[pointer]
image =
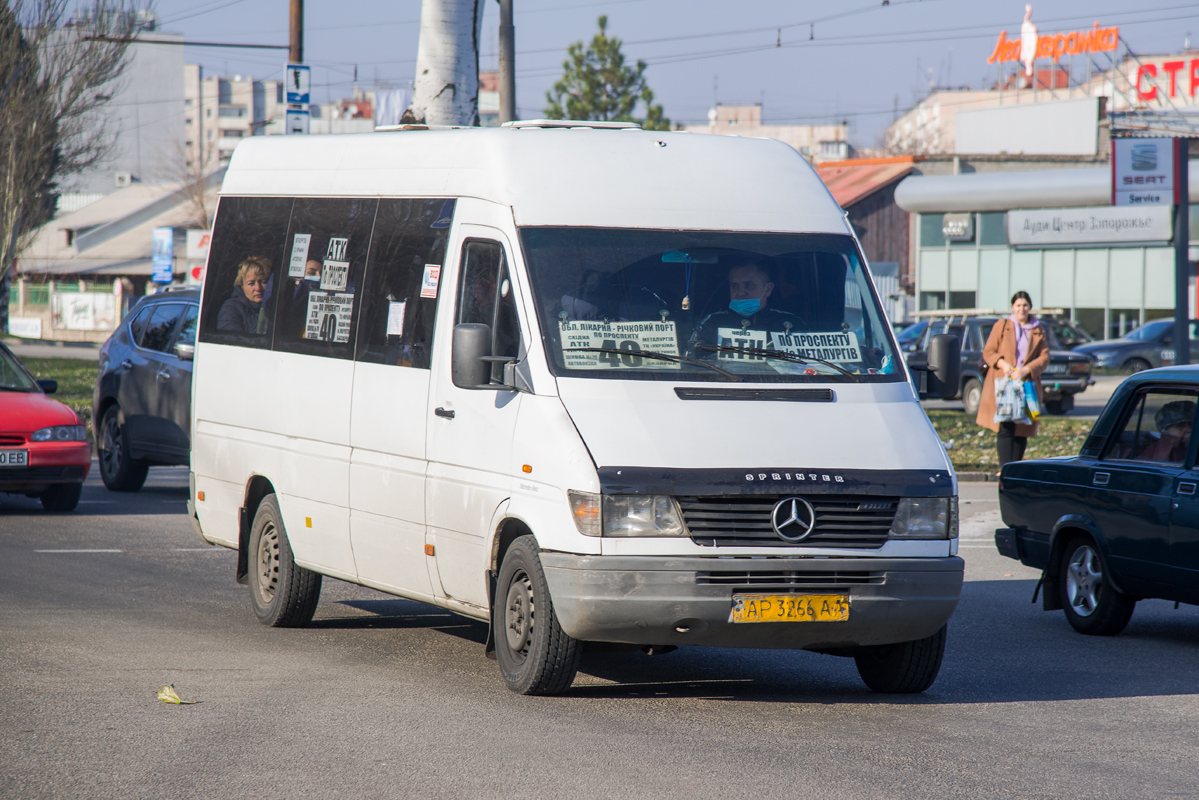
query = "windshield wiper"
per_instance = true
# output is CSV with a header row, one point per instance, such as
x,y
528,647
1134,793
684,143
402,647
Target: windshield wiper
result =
x,y
781,356
653,354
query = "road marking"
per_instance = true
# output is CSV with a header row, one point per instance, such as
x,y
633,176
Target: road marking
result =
x,y
77,551
197,549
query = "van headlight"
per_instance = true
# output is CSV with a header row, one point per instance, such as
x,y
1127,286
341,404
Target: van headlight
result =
x,y
626,515
61,433
926,518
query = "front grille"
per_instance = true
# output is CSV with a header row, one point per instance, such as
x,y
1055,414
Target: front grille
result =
x,y
41,474
8,440
744,521
789,579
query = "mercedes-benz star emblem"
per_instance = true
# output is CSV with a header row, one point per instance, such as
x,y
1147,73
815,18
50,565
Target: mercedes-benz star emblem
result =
x,y
793,519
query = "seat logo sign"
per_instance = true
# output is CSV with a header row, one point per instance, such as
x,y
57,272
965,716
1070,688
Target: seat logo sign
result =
x,y
793,519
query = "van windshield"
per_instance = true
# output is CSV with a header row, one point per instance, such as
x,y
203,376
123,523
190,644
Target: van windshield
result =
x,y
707,306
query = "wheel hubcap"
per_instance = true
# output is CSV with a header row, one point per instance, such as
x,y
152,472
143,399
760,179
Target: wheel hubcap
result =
x,y
268,564
1083,581
110,455
518,615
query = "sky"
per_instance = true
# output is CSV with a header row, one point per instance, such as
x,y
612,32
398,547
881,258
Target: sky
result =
x,y
806,61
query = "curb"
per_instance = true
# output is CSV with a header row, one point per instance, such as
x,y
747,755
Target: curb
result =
x,y
978,477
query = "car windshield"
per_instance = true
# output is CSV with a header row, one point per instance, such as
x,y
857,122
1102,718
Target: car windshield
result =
x,y
13,377
912,332
711,306
1150,330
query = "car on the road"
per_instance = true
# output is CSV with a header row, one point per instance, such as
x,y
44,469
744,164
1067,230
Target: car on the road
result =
x,y
1068,373
44,450
142,401
1119,522
909,337
1146,347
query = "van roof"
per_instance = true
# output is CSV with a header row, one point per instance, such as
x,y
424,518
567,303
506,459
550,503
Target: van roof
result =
x,y
627,178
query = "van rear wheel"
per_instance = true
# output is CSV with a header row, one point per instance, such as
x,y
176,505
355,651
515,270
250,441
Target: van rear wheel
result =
x,y
283,595
903,668
535,655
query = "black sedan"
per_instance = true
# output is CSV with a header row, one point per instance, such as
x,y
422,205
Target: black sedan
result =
x,y
1120,521
1151,345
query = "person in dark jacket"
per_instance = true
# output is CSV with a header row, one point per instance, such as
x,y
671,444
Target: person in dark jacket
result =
x,y
747,322
244,312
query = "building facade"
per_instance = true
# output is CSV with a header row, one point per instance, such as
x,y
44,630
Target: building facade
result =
x,y
220,112
815,142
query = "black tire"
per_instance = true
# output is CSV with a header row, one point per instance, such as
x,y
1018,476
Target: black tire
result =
x,y
1091,604
119,472
972,394
283,595
904,668
62,497
1135,365
535,655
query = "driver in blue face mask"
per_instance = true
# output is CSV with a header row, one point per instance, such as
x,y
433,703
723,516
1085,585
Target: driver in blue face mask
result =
x,y
747,322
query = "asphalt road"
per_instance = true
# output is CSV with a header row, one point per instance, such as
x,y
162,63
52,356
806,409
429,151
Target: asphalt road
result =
x,y
382,697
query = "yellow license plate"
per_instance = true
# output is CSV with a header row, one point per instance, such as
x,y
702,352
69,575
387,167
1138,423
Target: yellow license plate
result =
x,y
790,607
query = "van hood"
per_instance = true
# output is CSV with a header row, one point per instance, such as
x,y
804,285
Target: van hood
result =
x,y
647,424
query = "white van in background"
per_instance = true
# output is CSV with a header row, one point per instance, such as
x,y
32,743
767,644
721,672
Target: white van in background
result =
x,y
587,382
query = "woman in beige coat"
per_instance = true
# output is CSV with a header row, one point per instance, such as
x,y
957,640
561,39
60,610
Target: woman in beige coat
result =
x,y
1016,349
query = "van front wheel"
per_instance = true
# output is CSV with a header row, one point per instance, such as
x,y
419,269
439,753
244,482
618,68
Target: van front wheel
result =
x,y
283,594
535,655
903,668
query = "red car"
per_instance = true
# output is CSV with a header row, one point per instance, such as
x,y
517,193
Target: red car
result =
x,y
44,451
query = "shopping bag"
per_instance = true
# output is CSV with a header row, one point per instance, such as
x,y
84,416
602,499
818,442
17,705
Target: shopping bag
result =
x,y
1030,400
1010,405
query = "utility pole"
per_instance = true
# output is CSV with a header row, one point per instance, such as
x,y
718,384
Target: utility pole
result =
x,y
507,63
1182,264
296,49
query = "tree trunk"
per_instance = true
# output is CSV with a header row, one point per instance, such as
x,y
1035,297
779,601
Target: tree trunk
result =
x,y
5,286
446,90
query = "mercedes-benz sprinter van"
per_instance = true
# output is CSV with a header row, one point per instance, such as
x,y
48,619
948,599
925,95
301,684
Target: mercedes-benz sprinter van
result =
x,y
586,382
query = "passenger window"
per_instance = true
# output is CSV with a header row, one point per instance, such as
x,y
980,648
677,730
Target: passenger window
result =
x,y
138,325
187,331
486,296
1158,429
399,303
161,326
244,261
326,251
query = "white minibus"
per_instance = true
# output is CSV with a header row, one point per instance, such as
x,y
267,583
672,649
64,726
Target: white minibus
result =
x,y
585,382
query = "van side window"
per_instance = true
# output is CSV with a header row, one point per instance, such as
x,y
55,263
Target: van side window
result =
x,y
408,246
244,267
321,287
157,335
486,296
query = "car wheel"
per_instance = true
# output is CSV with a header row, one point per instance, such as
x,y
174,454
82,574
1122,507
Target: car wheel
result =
x,y
972,393
1091,604
283,594
119,472
1135,365
535,655
62,497
904,668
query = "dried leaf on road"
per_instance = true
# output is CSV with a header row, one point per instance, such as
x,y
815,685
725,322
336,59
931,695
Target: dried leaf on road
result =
x,y
167,694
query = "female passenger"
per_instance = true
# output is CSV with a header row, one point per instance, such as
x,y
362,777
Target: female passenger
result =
x,y
1015,349
244,312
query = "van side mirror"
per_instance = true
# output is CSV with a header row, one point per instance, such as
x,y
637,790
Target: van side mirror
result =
x,y
944,366
471,345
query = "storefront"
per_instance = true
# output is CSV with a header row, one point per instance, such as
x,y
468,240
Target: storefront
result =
x,y
1053,233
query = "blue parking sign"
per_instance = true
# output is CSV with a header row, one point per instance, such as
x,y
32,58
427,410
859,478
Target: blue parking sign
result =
x,y
162,255
298,77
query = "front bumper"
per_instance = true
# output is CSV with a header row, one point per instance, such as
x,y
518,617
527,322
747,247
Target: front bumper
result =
x,y
1064,384
688,601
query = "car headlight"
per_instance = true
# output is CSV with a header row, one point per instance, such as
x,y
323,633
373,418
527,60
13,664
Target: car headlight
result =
x,y
926,518
1103,355
626,515
61,433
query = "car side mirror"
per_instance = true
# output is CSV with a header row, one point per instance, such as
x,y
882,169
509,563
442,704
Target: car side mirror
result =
x,y
48,385
186,352
944,366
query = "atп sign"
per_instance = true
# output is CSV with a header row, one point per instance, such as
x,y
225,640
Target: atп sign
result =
x,y
1143,172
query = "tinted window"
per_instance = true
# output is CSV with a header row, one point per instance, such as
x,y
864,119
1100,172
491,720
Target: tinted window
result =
x,y
244,262
138,324
161,326
407,251
327,246
1158,429
187,331
486,296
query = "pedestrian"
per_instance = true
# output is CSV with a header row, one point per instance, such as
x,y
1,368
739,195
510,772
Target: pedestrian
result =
x,y
1015,349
